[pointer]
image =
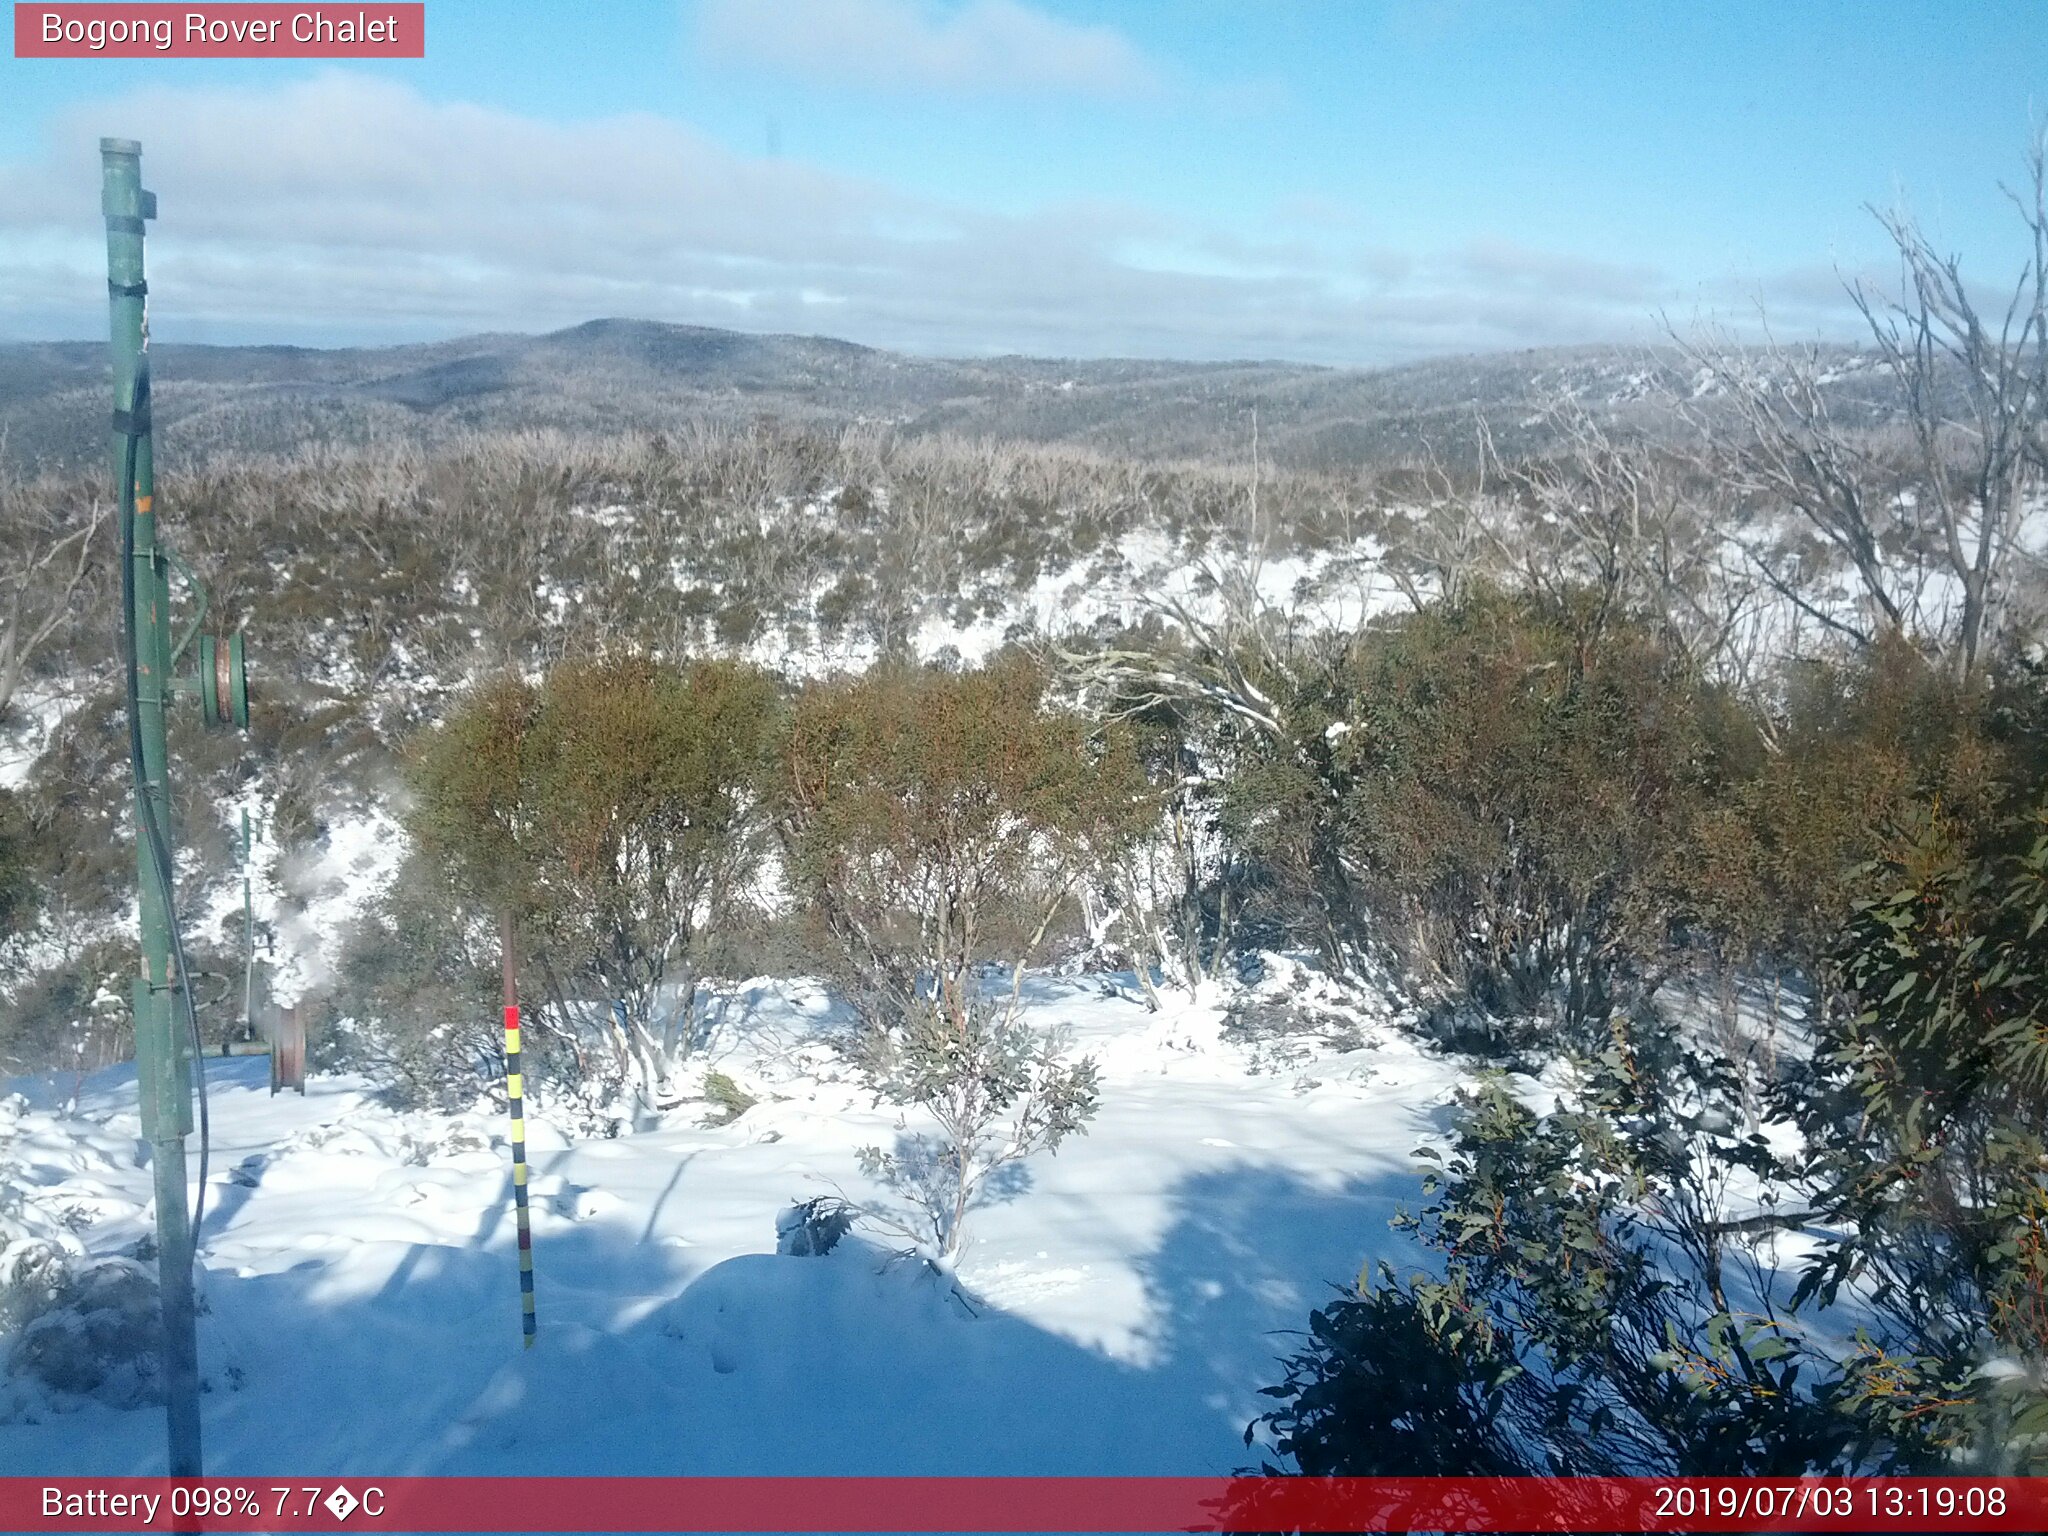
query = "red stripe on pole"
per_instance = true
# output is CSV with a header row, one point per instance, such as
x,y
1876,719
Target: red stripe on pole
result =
x,y
379,29
1024,1504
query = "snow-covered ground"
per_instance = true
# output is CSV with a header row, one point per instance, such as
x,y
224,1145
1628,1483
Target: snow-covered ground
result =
x,y
1120,1305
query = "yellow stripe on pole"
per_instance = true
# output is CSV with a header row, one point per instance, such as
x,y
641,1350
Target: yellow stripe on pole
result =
x,y
515,1096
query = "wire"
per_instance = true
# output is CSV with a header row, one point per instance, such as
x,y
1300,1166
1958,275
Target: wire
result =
x,y
152,831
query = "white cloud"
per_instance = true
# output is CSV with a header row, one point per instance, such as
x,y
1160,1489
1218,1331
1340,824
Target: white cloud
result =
x,y
984,47
351,204
1525,270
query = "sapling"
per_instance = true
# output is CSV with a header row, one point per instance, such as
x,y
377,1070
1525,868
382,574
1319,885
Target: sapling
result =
x,y
940,825
998,1092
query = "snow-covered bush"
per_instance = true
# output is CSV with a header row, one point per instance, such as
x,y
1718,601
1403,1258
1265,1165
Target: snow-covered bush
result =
x,y
729,1098
1287,1011
99,1340
37,1254
416,996
416,1006
73,1325
813,1227
68,1013
34,1272
997,1091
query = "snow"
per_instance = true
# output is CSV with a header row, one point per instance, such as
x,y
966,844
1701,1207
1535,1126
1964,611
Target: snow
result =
x,y
325,890
37,711
1115,1313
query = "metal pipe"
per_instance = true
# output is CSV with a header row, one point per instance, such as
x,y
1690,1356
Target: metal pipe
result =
x,y
162,1051
248,937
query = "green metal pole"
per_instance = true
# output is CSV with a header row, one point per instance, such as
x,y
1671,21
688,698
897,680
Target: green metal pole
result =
x,y
162,1053
248,939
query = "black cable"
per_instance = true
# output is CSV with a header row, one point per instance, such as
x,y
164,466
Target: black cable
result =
x,y
159,848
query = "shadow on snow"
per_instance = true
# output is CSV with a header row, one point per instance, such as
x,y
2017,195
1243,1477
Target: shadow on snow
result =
x,y
404,1358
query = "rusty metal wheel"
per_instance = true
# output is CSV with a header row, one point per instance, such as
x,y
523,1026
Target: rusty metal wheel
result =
x,y
287,1051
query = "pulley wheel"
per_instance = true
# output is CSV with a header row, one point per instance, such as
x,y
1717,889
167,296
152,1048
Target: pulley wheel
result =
x,y
287,1051
223,683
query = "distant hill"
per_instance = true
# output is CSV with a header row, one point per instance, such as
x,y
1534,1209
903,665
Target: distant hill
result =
x,y
610,375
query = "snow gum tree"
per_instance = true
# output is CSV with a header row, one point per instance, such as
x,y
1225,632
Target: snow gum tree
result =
x,y
940,824
616,811
469,811
647,782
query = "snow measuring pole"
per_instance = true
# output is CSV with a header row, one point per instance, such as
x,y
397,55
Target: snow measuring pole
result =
x,y
515,1099
166,1024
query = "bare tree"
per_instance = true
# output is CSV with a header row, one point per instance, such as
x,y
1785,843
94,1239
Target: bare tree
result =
x,y
1929,516
43,566
1976,400
1624,520
1455,532
1232,654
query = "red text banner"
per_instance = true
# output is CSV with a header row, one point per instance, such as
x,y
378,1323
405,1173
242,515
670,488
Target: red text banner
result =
x,y
233,31
394,1504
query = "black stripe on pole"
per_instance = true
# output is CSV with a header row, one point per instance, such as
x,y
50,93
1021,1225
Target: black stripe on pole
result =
x,y
515,1095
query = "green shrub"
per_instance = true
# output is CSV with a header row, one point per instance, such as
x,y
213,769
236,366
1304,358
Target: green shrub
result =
x,y
1502,796
729,1097
1925,1106
1383,1386
1590,1311
1774,862
617,812
1599,1308
939,821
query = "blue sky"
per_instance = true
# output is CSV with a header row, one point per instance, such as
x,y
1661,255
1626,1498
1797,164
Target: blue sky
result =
x,y
1345,183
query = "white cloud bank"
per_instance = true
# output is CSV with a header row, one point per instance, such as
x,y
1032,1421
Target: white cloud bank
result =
x,y
351,204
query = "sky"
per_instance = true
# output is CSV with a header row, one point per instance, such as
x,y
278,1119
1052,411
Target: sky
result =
x,y
1359,182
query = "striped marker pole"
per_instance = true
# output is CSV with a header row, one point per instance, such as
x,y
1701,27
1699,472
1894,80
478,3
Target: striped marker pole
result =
x,y
515,1098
